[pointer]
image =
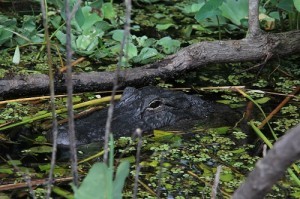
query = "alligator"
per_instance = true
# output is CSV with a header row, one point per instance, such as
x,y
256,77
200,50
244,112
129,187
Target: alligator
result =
x,y
147,108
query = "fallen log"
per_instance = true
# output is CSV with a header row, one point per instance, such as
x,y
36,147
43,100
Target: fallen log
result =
x,y
259,48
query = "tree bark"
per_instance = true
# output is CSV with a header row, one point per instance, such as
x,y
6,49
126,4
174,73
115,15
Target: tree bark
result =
x,y
192,57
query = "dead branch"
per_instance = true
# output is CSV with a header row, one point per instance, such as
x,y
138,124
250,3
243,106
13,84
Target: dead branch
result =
x,y
272,167
189,58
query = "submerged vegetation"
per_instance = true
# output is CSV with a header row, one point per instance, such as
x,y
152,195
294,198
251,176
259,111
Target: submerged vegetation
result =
x,y
175,163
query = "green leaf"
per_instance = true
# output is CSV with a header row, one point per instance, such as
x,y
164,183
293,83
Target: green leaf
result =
x,y
6,170
221,130
262,100
94,185
145,54
90,18
108,11
193,8
14,162
297,5
86,43
122,173
226,177
118,35
235,10
39,149
132,50
79,17
169,45
29,24
61,37
286,5
4,35
209,9
17,56
164,26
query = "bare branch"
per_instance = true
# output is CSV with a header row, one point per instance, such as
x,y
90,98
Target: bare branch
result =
x,y
254,28
52,97
188,58
70,93
272,167
115,79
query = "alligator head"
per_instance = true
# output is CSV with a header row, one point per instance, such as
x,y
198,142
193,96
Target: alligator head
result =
x,y
147,108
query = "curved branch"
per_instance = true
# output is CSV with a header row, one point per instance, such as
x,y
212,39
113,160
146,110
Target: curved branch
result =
x,y
189,58
272,167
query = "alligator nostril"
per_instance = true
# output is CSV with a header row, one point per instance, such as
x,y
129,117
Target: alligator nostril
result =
x,y
155,104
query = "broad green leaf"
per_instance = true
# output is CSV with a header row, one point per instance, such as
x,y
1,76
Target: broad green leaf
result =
x,y
56,21
146,53
118,35
164,26
209,9
169,45
80,17
297,5
86,43
132,50
61,37
94,185
4,35
29,23
192,8
90,18
6,25
287,5
17,56
122,173
235,10
108,11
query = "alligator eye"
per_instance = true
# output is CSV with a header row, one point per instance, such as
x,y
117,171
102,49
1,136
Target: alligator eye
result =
x,y
155,104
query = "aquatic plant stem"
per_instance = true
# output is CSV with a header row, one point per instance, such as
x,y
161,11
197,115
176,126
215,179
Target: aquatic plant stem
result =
x,y
52,97
115,81
259,107
63,110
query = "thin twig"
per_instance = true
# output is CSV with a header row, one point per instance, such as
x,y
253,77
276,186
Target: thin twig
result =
x,y
21,185
278,108
115,81
138,166
69,93
52,98
216,182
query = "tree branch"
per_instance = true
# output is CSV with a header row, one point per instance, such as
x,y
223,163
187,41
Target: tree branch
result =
x,y
189,58
272,167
